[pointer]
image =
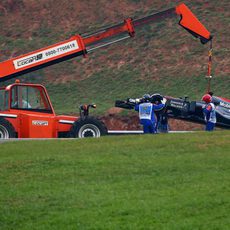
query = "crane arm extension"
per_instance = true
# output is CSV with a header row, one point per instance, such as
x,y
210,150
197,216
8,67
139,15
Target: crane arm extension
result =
x,y
188,21
81,44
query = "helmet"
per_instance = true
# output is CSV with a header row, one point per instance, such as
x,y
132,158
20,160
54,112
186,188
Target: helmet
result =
x,y
156,98
207,98
146,97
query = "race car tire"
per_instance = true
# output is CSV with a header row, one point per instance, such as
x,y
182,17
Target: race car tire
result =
x,y
88,127
6,129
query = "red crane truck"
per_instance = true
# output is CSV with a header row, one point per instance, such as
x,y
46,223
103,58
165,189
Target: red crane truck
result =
x,y
26,110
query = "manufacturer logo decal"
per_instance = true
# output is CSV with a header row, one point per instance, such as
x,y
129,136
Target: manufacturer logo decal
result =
x,y
40,123
29,60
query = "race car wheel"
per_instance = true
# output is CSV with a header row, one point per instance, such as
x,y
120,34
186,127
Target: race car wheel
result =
x,y
6,129
88,127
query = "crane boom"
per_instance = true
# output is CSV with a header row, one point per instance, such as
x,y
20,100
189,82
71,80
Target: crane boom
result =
x,y
81,44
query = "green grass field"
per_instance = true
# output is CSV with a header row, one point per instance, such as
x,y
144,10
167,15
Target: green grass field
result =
x,y
174,181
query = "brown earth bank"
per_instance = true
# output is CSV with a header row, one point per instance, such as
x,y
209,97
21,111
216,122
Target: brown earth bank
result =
x,y
131,122
115,120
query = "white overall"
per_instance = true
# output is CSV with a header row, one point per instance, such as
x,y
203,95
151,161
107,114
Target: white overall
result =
x,y
145,111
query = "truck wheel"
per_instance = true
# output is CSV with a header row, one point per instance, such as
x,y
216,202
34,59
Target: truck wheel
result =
x,y
6,129
88,127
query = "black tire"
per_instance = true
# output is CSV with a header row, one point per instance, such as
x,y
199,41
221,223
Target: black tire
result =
x,y
88,127
6,129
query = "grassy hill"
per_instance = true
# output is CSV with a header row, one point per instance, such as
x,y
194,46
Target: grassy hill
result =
x,y
117,183
161,58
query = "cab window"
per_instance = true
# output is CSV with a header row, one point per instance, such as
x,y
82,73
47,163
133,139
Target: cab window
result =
x,y
29,98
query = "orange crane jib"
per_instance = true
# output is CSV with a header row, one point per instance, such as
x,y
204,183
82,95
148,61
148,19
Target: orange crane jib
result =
x,y
81,44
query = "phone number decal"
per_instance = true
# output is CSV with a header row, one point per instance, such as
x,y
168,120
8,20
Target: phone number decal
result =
x,y
46,54
61,50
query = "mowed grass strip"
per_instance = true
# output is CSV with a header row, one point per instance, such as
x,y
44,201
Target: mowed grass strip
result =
x,y
174,181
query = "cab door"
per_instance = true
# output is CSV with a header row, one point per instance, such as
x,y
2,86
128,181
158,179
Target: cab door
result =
x,y
36,117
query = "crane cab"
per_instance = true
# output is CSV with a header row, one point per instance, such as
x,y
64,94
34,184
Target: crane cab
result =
x,y
28,112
